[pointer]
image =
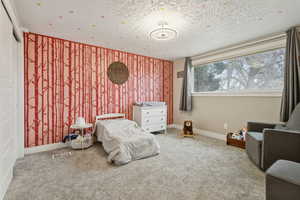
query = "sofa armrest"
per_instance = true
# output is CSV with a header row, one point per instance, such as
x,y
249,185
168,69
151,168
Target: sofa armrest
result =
x,y
259,126
280,145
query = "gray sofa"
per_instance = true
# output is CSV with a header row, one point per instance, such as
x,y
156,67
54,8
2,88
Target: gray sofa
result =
x,y
266,143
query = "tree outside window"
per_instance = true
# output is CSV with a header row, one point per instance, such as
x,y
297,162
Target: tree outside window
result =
x,y
257,72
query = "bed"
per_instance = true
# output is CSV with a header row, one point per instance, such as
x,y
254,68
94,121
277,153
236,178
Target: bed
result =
x,y
123,139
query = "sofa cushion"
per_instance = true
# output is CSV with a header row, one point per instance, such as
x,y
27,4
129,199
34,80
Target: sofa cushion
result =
x,y
283,181
256,135
285,170
281,127
293,123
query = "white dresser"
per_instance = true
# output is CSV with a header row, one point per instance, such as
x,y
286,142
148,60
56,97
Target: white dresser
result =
x,y
151,118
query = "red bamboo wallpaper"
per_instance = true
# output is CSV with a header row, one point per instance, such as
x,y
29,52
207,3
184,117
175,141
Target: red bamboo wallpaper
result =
x,y
65,80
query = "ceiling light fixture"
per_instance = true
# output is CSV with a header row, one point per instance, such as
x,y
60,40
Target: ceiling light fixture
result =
x,y
163,33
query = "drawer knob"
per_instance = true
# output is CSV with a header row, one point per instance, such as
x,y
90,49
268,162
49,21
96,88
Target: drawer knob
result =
x,y
161,111
148,113
147,120
162,119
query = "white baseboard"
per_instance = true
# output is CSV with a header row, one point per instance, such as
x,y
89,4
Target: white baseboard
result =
x,y
211,134
202,132
47,147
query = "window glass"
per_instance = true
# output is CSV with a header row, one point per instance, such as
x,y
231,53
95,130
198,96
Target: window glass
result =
x,y
257,72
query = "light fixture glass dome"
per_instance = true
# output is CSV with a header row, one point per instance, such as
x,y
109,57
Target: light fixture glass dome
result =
x,y
163,33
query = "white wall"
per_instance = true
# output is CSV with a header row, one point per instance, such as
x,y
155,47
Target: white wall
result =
x,y
8,101
211,112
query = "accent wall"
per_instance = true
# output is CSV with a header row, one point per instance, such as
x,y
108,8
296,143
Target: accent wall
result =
x,y
65,80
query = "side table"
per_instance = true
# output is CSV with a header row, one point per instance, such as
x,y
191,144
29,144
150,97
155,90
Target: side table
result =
x,y
81,128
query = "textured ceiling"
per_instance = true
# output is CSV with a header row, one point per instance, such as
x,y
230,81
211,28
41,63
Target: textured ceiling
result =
x,y
202,25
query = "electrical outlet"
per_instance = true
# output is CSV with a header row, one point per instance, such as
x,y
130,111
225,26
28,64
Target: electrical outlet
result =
x,y
225,126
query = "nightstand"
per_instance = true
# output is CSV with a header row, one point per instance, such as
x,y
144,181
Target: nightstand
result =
x,y
81,128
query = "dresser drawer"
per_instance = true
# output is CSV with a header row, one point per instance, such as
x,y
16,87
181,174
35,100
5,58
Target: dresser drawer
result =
x,y
154,112
154,120
151,118
155,127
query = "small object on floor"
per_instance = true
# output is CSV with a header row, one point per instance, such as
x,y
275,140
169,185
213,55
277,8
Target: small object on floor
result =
x,y
243,133
158,132
61,155
236,139
188,129
83,142
71,136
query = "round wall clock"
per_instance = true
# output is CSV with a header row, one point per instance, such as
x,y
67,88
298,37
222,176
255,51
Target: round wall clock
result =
x,y
118,73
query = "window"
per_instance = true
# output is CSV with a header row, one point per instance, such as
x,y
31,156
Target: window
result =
x,y
256,73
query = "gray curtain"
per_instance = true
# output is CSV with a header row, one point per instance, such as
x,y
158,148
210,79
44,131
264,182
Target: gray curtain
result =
x,y
291,91
186,97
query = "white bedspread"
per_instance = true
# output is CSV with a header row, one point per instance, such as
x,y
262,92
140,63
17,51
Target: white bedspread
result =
x,y
125,141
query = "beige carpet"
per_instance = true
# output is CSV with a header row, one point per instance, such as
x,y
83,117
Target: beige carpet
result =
x,y
186,169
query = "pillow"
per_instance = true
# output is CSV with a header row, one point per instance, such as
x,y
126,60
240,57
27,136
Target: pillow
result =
x,y
294,121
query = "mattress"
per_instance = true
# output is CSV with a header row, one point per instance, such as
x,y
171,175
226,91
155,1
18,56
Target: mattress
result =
x,y
125,141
